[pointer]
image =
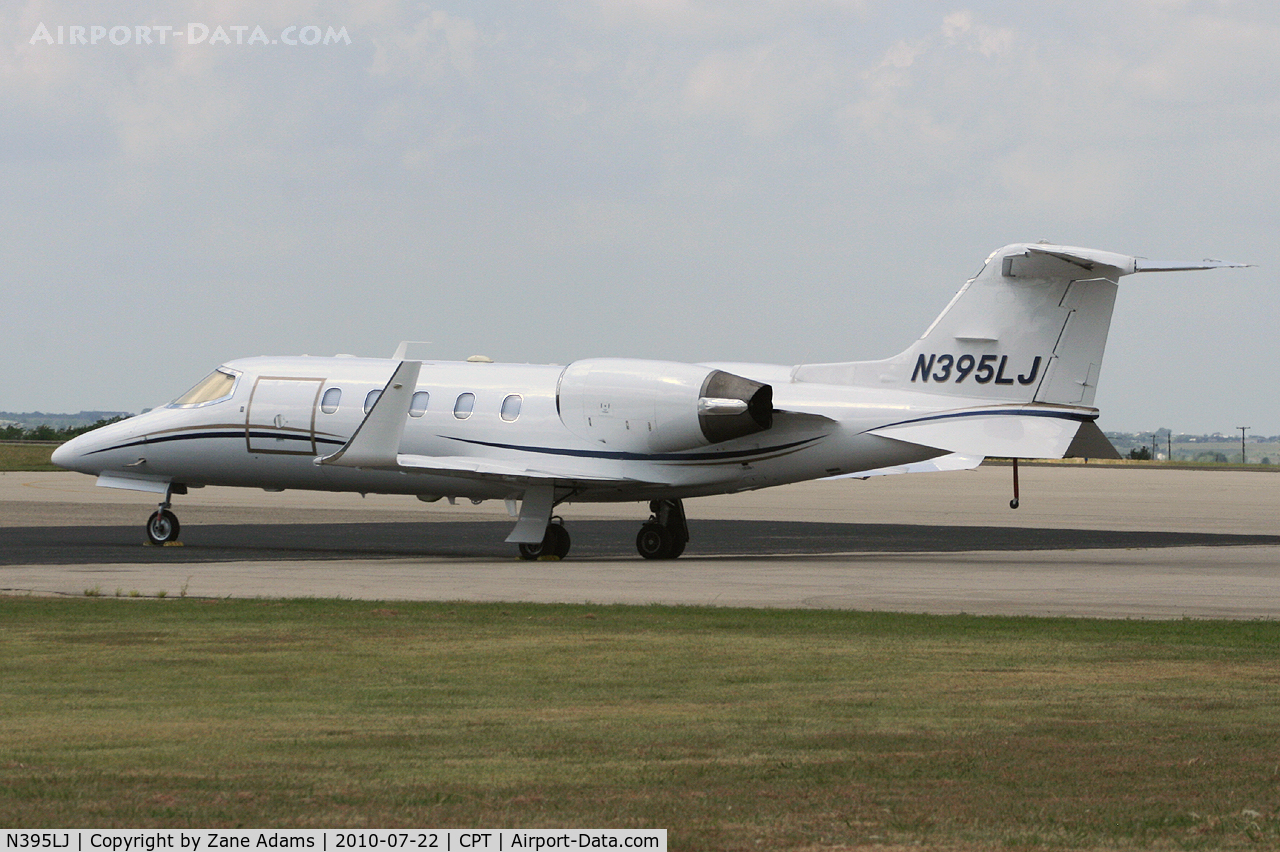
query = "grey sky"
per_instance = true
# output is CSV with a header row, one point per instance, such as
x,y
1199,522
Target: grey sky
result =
x,y
766,181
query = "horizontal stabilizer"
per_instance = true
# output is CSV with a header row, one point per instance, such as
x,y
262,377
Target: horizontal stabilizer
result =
x,y
1141,264
1031,263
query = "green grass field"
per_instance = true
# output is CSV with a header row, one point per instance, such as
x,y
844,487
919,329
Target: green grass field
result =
x,y
734,729
26,456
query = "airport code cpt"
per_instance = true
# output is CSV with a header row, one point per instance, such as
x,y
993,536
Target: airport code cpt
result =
x,y
322,840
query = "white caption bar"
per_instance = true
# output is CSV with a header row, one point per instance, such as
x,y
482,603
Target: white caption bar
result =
x,y
334,840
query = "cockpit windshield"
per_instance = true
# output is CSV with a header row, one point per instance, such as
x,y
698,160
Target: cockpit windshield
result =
x,y
215,387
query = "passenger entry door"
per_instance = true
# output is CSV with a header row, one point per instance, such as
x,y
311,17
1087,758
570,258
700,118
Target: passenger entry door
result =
x,y
281,416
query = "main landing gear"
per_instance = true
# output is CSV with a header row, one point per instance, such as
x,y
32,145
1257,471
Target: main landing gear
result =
x,y
666,532
663,536
163,526
555,543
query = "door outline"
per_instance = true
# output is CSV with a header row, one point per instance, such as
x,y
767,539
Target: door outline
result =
x,y
254,443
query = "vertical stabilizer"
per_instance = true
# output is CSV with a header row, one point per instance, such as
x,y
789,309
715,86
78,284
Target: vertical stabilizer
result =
x,y
1031,326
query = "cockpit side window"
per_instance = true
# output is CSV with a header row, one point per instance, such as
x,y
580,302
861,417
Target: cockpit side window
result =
x,y
215,387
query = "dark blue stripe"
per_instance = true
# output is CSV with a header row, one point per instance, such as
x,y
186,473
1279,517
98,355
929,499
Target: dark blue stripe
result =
x,y
1057,415
624,456
196,436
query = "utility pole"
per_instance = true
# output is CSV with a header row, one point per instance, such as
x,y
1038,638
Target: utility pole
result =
x,y
1243,460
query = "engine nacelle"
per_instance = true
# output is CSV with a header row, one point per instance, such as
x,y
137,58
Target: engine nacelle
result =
x,y
659,406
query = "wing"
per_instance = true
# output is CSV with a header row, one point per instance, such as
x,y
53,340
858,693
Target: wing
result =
x,y
376,446
472,467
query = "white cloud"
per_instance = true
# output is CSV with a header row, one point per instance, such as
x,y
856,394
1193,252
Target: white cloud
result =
x,y
959,27
710,18
1079,182
436,43
769,88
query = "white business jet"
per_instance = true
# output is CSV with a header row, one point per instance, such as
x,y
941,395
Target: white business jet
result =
x,y
1009,370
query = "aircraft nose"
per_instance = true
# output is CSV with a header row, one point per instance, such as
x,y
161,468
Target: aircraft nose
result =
x,y
64,455
71,455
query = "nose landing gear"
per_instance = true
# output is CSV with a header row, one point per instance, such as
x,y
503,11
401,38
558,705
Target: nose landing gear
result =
x,y
163,526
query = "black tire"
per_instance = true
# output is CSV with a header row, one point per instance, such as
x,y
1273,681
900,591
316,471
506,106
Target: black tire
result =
x,y
163,527
559,540
555,543
654,541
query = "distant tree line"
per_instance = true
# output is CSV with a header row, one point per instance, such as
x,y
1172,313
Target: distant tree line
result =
x,y
14,432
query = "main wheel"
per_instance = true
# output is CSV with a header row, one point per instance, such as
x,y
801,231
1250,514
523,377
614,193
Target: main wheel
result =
x,y
560,540
554,543
163,527
654,541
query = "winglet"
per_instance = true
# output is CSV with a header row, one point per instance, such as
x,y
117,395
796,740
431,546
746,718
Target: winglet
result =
x,y
376,442
402,351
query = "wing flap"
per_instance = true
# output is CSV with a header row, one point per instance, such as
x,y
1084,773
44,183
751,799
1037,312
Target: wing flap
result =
x,y
474,467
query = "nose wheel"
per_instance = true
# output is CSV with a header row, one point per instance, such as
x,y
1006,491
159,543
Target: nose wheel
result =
x,y
666,533
163,526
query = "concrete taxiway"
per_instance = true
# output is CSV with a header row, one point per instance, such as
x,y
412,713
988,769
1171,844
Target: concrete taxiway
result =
x,y
1087,541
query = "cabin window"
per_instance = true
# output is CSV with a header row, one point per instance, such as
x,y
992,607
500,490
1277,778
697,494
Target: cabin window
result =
x,y
215,387
418,405
370,399
511,408
329,402
463,407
